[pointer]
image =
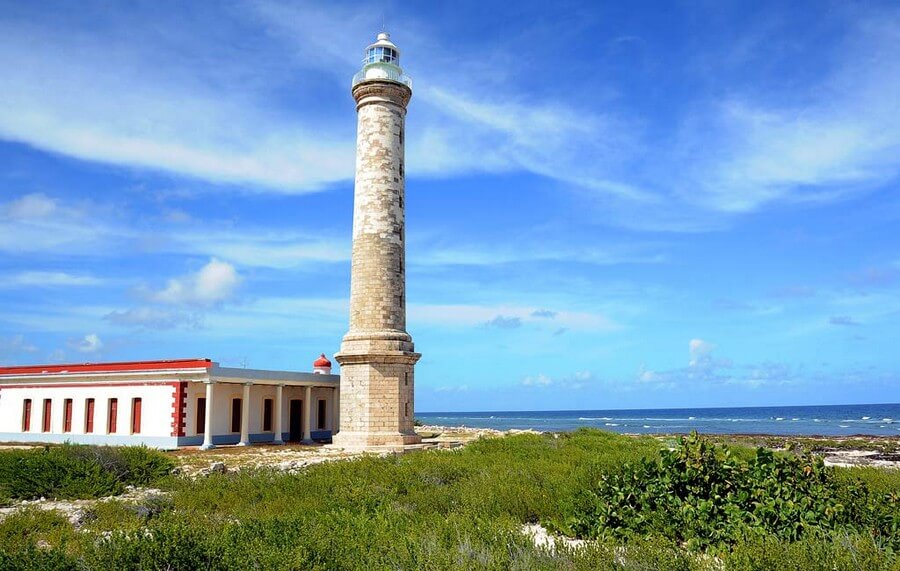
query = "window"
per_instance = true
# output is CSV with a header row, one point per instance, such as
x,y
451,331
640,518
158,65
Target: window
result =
x,y
89,416
48,408
67,415
320,418
381,54
112,416
136,416
406,379
406,410
267,415
26,415
236,415
201,415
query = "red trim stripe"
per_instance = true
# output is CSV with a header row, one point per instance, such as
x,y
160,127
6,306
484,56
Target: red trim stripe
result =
x,y
4,387
179,400
123,366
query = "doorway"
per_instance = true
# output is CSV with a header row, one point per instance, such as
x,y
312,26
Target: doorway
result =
x,y
296,421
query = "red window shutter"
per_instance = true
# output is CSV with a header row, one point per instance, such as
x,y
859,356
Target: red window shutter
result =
x,y
26,415
113,415
136,416
67,415
89,416
48,408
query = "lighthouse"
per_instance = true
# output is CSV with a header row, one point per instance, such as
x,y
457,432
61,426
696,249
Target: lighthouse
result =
x,y
377,355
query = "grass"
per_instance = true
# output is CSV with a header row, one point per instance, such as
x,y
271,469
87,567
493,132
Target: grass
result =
x,y
459,509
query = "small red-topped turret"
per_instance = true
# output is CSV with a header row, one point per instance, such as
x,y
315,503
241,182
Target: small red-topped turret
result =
x,y
322,366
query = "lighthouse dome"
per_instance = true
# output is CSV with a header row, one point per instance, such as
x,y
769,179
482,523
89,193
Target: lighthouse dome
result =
x,y
382,51
322,365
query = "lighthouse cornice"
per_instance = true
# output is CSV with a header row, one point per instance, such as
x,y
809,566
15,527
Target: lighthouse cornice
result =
x,y
381,91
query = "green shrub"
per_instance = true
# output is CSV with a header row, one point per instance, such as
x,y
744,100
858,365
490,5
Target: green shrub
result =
x,y
76,472
703,495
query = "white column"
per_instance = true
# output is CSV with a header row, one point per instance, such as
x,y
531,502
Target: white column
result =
x,y
207,421
307,414
245,416
335,410
279,430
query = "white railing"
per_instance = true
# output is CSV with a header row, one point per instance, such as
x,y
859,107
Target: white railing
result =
x,y
381,73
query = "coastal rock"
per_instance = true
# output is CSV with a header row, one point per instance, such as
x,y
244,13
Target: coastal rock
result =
x,y
216,468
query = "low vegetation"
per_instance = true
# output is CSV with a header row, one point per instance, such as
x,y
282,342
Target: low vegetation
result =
x,y
460,509
703,496
77,472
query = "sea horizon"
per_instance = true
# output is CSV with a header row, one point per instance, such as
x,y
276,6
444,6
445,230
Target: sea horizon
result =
x,y
877,419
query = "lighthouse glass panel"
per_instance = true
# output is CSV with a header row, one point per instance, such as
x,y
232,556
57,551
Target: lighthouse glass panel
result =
x,y
381,54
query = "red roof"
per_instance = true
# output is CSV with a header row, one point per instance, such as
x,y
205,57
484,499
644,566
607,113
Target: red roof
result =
x,y
322,361
123,366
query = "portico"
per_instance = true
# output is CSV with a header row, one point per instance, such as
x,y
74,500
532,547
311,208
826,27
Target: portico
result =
x,y
251,406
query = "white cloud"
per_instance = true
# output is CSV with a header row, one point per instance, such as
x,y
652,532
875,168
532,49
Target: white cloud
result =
x,y
48,279
540,380
35,205
213,283
576,381
452,389
90,343
700,351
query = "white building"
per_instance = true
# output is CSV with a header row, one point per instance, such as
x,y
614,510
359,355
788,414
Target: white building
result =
x,y
166,404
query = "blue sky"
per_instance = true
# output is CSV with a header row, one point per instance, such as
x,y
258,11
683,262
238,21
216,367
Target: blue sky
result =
x,y
610,205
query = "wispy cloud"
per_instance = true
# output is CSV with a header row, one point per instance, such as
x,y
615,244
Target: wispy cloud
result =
x,y
839,139
505,316
154,318
15,347
843,320
504,322
48,279
545,313
146,99
576,381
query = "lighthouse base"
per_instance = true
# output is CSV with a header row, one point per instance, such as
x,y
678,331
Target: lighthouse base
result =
x,y
376,394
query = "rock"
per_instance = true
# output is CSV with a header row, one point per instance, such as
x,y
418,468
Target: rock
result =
x,y
217,468
177,471
80,518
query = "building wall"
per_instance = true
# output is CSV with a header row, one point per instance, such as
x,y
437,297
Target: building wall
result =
x,y
168,412
157,401
224,393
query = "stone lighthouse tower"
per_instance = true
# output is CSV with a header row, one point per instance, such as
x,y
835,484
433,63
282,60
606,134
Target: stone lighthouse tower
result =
x,y
377,354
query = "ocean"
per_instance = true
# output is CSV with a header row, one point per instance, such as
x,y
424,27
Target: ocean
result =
x,y
833,420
